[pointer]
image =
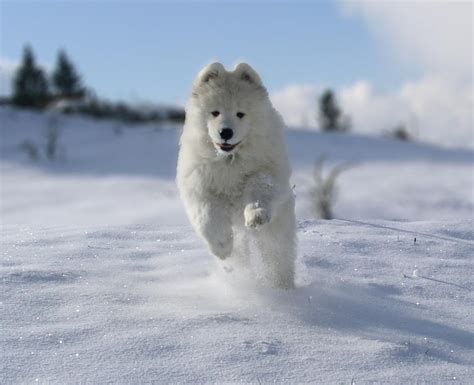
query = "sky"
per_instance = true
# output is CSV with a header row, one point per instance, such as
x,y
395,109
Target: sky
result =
x,y
394,54
152,50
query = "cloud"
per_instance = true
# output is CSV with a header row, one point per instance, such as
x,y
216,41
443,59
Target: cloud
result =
x,y
434,108
435,36
297,104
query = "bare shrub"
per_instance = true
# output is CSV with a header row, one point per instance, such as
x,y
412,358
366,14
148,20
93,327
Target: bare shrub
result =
x,y
52,137
400,132
118,129
30,148
324,192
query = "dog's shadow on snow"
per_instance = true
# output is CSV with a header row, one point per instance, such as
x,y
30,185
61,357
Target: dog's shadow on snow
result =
x,y
369,311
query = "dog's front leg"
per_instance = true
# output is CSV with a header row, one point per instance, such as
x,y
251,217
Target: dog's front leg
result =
x,y
212,221
259,195
270,204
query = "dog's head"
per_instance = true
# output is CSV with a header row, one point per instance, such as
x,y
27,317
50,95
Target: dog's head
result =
x,y
230,104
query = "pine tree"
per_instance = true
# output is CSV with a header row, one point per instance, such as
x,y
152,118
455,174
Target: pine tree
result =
x,y
30,87
330,115
66,81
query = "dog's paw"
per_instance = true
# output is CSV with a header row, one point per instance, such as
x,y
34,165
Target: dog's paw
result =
x,y
221,250
255,216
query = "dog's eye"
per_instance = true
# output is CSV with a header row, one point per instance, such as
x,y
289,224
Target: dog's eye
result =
x,y
240,115
215,113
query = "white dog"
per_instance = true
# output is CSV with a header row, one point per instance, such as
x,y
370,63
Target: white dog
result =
x,y
233,171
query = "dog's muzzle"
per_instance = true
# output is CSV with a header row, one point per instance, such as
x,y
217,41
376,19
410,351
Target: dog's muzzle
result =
x,y
227,147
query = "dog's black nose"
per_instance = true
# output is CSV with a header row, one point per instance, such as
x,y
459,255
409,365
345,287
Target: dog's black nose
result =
x,y
226,133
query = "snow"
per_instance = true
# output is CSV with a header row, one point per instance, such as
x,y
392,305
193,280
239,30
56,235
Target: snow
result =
x,y
103,280
144,304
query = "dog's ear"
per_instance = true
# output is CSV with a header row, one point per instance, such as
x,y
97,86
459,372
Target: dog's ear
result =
x,y
246,73
210,72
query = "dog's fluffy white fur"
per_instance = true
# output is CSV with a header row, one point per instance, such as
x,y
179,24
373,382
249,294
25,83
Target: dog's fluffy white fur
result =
x,y
236,189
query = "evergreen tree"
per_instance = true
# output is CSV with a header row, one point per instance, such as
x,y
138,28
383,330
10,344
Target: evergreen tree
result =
x,y
30,87
330,115
67,82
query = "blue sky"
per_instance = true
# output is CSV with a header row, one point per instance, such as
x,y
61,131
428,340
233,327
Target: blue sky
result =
x,y
152,50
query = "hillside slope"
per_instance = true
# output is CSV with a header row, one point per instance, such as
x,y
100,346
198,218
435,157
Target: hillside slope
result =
x,y
126,174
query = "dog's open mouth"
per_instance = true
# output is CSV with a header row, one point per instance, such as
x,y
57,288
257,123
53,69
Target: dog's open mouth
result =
x,y
227,146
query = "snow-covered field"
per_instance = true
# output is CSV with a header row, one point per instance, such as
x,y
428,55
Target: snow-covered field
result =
x,y
103,281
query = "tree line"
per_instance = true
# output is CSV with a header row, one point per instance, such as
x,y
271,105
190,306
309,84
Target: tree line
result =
x,y
34,88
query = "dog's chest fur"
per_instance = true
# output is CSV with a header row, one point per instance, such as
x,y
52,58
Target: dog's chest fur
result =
x,y
225,176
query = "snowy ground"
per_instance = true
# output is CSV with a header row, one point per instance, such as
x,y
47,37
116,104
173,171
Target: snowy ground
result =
x,y
145,304
103,281
104,166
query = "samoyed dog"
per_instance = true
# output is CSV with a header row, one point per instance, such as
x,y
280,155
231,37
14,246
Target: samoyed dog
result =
x,y
233,172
